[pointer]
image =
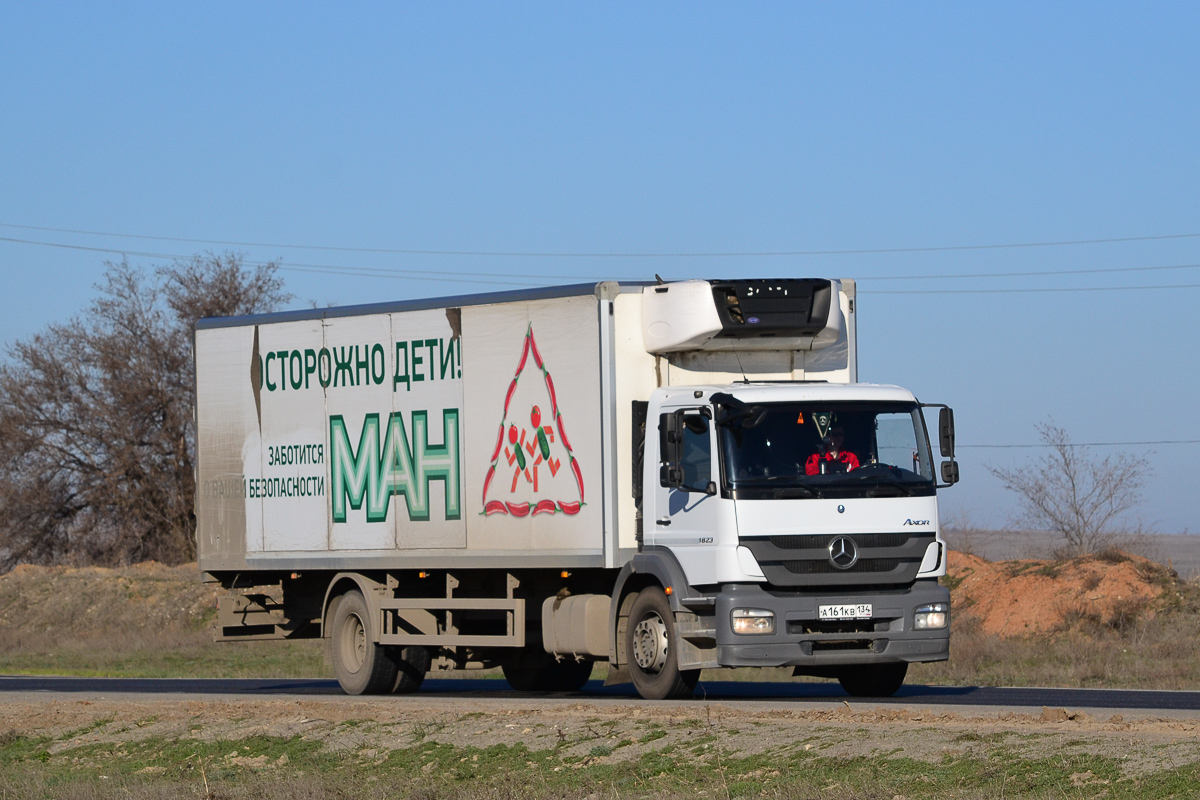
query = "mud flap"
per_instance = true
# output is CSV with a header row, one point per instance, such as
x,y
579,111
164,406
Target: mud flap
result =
x,y
617,676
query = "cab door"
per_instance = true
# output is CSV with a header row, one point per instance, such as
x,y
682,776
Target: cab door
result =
x,y
685,499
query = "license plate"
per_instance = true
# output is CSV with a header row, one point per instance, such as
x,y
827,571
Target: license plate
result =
x,y
856,611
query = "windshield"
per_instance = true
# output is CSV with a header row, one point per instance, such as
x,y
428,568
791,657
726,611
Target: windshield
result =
x,y
778,450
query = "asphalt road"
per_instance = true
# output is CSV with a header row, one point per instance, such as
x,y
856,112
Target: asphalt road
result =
x,y
817,694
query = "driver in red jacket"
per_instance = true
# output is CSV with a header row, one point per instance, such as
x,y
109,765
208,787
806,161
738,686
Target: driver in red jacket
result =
x,y
835,455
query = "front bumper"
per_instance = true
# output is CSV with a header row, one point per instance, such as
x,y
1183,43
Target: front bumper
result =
x,y
802,640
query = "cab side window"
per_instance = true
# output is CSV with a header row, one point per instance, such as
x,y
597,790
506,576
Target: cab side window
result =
x,y
697,453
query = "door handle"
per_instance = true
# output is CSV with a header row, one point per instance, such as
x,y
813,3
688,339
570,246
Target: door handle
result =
x,y
664,521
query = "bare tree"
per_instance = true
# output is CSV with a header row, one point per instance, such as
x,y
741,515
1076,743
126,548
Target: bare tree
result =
x,y
97,438
1073,493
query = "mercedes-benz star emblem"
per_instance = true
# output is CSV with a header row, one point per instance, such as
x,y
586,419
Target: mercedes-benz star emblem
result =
x,y
843,553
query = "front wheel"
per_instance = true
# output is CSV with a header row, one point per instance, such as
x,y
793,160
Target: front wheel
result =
x,y
651,645
873,680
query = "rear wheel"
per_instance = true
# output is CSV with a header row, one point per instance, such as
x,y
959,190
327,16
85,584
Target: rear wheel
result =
x,y
651,645
362,665
412,662
873,680
535,670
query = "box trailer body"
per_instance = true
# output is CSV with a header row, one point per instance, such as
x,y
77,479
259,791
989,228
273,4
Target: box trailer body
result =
x,y
496,479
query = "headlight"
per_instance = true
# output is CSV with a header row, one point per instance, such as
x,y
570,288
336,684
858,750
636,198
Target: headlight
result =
x,y
753,620
931,617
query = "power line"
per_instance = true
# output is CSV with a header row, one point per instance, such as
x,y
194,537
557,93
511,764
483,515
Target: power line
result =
x,y
335,269
541,254
1078,444
365,273
508,278
1034,291
111,250
1029,274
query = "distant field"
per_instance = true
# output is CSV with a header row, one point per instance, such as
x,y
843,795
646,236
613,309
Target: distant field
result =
x,y
1180,550
154,621
147,620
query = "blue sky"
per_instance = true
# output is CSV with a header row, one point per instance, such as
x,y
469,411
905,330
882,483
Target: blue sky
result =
x,y
674,128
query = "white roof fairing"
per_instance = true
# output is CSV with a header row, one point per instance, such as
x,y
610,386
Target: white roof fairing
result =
x,y
798,392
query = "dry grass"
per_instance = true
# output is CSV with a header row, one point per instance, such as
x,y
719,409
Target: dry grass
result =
x,y
148,620
480,756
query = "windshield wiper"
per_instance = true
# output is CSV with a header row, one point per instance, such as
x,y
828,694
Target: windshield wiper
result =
x,y
867,475
899,485
796,484
785,492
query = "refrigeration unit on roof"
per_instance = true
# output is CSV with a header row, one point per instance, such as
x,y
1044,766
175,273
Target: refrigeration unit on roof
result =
x,y
758,314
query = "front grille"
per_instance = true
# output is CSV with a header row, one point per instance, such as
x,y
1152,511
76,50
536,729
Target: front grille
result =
x,y
824,567
820,541
803,559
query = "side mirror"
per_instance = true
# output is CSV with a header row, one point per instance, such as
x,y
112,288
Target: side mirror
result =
x,y
946,432
946,442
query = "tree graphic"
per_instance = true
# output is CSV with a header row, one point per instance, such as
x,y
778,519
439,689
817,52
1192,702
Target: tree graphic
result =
x,y
529,445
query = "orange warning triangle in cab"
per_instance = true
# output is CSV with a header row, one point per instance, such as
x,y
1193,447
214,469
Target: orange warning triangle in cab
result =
x,y
533,470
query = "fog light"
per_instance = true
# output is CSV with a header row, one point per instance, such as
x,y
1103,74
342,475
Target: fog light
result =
x,y
753,620
931,617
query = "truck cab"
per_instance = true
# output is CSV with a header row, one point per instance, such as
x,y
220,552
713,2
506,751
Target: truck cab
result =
x,y
805,516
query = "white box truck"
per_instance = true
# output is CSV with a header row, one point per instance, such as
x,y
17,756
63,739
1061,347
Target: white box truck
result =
x,y
668,477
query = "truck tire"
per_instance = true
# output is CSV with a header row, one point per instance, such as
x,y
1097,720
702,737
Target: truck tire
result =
x,y
362,666
873,680
412,662
651,645
535,670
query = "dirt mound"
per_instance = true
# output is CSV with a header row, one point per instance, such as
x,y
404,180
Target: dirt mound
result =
x,y
1017,598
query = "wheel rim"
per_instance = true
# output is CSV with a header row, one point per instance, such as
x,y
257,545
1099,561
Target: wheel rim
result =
x,y
650,644
353,643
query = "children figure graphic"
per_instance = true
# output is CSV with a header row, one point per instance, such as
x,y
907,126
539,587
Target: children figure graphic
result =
x,y
536,454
